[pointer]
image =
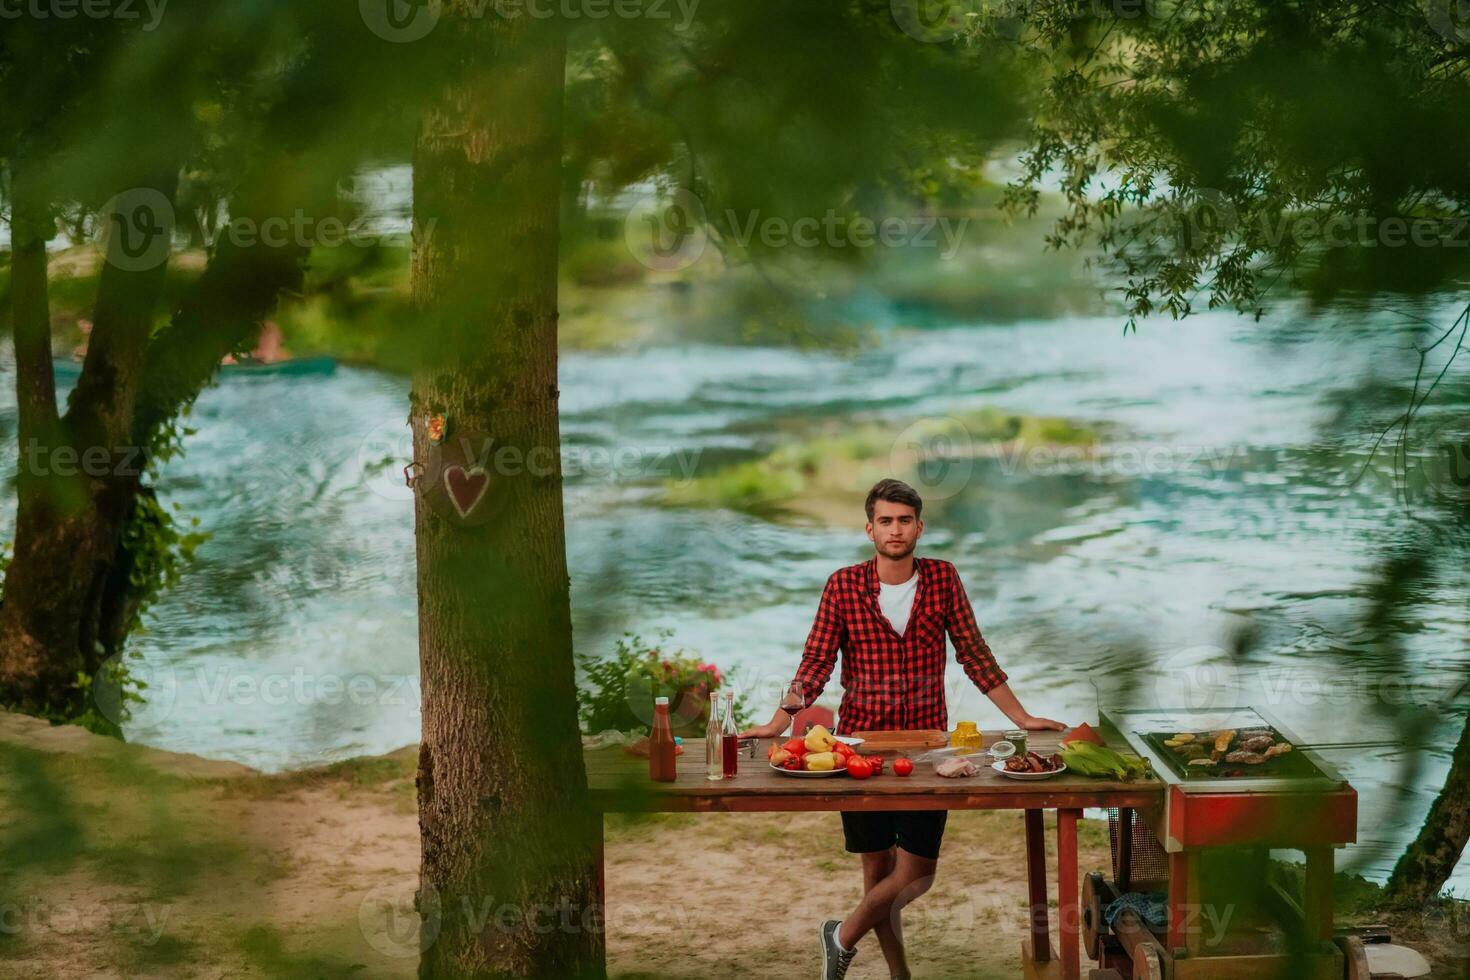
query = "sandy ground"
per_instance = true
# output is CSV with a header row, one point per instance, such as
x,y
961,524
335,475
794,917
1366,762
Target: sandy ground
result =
x,y
120,861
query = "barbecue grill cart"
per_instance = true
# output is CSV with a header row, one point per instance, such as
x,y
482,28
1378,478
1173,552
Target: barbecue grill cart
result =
x,y
1203,851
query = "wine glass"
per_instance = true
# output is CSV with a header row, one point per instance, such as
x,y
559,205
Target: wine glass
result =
x,y
793,701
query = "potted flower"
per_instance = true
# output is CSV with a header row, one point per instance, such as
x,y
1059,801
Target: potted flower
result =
x,y
617,692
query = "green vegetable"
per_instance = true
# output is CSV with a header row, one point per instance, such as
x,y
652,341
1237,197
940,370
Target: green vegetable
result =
x,y
1095,760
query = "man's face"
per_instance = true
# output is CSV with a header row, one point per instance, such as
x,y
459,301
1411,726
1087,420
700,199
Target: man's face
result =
x,y
894,529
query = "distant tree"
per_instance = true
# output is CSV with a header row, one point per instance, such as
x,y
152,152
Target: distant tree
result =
x,y
235,100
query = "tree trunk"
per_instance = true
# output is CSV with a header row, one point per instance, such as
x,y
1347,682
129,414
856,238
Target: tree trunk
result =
x,y
1421,873
39,657
508,884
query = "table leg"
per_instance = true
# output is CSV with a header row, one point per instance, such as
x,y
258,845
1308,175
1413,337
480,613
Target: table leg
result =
x,y
1036,880
1069,916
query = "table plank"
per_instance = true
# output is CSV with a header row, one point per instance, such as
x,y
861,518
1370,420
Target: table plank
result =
x,y
620,782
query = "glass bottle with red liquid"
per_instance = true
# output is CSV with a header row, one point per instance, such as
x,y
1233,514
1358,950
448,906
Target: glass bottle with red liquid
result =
x,y
730,738
661,744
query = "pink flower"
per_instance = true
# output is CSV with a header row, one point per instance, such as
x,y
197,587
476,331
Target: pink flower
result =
x,y
713,671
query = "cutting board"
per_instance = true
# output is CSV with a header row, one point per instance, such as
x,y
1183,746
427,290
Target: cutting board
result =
x,y
883,741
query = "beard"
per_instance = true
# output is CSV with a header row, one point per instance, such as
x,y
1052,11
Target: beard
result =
x,y
897,551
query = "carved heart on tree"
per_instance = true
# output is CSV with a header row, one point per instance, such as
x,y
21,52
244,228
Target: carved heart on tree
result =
x,y
466,487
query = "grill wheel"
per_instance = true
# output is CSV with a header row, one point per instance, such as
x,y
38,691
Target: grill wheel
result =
x,y
1147,965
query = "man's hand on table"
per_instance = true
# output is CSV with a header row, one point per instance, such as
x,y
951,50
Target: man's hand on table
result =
x,y
769,730
1034,724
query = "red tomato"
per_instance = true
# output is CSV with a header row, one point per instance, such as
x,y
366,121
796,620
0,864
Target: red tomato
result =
x,y
839,761
792,763
843,749
858,768
876,763
902,767
796,746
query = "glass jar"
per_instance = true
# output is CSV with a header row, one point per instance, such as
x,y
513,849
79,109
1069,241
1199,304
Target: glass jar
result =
x,y
965,736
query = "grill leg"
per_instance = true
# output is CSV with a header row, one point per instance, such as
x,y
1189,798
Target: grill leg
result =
x,y
1179,898
1317,904
1036,881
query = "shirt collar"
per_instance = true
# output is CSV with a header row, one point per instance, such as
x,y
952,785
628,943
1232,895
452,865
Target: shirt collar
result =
x,y
870,574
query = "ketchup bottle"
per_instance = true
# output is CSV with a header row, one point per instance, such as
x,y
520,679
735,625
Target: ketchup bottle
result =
x,y
661,744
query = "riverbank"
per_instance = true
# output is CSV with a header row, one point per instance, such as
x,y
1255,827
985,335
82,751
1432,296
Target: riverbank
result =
x,y
122,860
355,299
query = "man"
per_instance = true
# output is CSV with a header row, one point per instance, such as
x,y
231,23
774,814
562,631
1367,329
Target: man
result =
x,y
889,616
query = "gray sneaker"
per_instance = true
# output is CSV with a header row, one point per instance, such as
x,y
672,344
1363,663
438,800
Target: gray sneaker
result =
x,y
834,961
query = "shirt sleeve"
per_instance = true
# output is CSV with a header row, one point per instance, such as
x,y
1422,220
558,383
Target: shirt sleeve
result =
x,y
970,647
828,632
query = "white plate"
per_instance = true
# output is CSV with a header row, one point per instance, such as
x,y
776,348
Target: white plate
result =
x,y
1000,767
809,775
848,740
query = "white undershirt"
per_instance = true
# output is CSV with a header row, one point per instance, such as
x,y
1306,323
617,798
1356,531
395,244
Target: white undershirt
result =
x,y
897,601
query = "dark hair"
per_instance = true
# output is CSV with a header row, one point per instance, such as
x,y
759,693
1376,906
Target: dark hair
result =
x,y
895,492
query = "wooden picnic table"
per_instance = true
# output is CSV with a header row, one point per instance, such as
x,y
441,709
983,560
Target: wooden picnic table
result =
x,y
619,783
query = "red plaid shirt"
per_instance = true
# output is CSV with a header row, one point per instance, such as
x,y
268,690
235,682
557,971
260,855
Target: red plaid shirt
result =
x,y
891,681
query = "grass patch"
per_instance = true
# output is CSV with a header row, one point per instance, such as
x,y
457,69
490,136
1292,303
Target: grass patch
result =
x,y
264,949
163,951
838,460
395,771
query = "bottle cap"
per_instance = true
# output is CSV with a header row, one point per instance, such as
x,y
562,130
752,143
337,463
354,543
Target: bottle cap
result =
x,y
660,700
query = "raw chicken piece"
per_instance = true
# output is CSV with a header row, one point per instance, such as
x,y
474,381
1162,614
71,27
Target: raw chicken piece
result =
x,y
955,768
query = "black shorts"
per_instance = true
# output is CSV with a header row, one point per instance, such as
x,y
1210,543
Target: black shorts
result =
x,y
919,832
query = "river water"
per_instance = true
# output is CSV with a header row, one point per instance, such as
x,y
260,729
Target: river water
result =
x,y
1225,502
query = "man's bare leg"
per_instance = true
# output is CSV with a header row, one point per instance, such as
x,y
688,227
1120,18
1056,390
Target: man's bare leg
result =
x,y
877,865
911,877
